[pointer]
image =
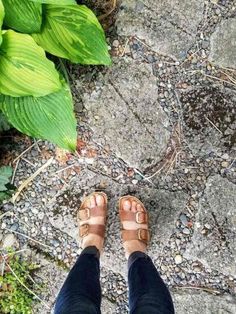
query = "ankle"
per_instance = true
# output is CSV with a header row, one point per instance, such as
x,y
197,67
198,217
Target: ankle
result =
x,y
134,246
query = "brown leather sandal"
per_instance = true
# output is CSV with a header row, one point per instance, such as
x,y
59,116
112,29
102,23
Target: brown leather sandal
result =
x,y
138,217
84,213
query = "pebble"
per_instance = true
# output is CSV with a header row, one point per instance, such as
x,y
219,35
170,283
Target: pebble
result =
x,y
184,220
8,241
178,259
225,164
116,43
186,231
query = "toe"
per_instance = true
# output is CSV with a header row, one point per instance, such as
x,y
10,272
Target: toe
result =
x,y
127,205
134,207
140,208
100,200
92,201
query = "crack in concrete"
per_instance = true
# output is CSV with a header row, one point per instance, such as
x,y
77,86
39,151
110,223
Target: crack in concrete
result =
x,y
131,109
161,17
176,26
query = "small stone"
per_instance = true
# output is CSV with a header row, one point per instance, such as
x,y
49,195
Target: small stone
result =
x,y
178,259
163,268
34,211
186,231
8,241
115,43
208,226
184,220
225,164
41,215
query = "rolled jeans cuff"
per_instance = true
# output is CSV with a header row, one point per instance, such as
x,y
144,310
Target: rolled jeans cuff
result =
x,y
91,250
136,255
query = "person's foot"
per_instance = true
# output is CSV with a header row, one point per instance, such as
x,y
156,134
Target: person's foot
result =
x,y
92,219
129,221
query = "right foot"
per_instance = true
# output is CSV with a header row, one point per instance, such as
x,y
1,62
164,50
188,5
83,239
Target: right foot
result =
x,y
135,232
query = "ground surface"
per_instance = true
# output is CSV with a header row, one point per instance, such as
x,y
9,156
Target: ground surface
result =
x,y
159,124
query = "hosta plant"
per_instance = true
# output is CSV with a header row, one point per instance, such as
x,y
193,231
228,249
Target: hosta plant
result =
x,y
34,97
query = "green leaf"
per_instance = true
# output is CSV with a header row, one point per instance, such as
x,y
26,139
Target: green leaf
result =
x,y
5,174
4,125
59,2
23,15
2,13
50,117
24,68
73,32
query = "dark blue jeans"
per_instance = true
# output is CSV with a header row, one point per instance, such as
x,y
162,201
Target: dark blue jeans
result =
x,y
81,292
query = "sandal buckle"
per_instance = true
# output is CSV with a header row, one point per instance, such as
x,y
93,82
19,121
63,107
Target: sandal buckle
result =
x,y
141,217
144,235
84,230
84,214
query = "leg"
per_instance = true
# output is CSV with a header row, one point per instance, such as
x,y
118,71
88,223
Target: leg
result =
x,y
81,292
147,291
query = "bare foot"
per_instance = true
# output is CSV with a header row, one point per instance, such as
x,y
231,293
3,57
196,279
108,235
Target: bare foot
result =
x,y
94,200
133,245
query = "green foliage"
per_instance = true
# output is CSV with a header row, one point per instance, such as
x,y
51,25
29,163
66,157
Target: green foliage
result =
x,y
2,13
14,297
41,116
73,32
5,175
32,96
24,68
59,2
23,16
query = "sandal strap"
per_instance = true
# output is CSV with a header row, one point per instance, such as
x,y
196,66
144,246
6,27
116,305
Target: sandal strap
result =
x,y
86,213
139,234
86,229
140,217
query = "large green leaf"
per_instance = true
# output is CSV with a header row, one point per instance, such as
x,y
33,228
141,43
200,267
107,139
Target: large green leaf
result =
x,y
5,174
73,32
1,20
24,68
23,15
59,2
50,117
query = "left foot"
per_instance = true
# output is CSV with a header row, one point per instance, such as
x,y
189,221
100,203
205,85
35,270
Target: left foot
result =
x,y
92,219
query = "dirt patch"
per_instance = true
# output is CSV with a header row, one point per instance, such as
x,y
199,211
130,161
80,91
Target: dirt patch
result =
x,y
210,108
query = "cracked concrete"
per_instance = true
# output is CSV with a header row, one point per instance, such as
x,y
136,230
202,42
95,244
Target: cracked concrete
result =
x,y
203,302
124,113
214,236
223,44
168,27
127,117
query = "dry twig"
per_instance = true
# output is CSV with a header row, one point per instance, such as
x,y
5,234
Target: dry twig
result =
x,y
25,151
210,290
103,16
31,178
27,237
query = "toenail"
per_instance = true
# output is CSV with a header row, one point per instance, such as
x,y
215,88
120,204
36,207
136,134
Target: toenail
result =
x,y
126,205
99,199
